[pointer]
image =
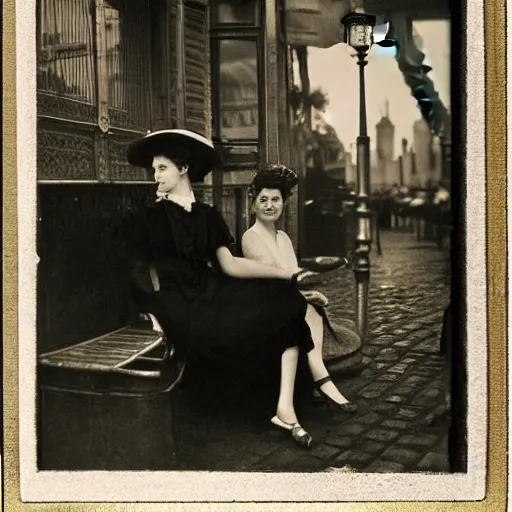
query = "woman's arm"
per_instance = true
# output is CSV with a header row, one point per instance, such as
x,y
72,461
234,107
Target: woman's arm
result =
x,y
244,268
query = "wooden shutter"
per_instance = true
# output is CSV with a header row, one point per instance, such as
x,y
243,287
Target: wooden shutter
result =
x,y
196,67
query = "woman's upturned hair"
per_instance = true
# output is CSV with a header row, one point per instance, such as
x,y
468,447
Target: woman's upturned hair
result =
x,y
274,176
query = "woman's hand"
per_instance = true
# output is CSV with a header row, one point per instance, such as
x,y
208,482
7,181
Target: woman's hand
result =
x,y
316,298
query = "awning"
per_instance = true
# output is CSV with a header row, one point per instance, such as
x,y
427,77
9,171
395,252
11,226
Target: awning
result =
x,y
315,22
318,23
410,62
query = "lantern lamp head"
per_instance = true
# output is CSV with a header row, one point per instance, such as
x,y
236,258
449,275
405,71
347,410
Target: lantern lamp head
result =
x,y
359,30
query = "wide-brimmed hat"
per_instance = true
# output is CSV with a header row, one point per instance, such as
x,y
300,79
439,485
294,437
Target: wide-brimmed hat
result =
x,y
185,145
274,176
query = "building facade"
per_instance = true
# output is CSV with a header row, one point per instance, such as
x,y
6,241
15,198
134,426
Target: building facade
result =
x,y
385,141
427,149
109,71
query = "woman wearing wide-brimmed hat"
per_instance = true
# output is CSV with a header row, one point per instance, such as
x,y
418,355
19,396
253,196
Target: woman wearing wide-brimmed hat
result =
x,y
264,242
207,301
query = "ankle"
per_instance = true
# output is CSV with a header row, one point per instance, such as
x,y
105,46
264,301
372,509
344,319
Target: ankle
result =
x,y
286,415
333,392
320,379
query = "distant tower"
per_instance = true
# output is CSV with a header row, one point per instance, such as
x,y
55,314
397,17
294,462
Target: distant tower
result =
x,y
386,148
385,136
404,167
405,142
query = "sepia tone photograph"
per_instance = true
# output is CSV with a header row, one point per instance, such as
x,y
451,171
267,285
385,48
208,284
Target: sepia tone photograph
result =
x,y
249,237
303,177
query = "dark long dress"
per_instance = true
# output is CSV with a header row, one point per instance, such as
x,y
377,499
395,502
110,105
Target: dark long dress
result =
x,y
202,310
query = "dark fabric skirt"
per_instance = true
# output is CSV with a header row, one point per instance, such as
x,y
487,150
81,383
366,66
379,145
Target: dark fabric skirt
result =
x,y
232,319
233,335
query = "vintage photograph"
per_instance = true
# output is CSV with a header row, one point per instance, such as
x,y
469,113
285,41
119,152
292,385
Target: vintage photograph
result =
x,y
242,232
245,232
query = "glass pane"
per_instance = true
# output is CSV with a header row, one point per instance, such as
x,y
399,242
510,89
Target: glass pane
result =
x,y
240,12
66,64
238,89
126,27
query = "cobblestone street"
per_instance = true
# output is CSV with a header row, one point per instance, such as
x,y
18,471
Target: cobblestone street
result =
x,y
401,425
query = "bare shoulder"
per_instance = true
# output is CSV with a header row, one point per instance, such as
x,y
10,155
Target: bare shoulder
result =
x,y
250,236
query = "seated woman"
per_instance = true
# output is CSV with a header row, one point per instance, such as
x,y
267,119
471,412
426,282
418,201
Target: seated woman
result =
x,y
184,275
264,243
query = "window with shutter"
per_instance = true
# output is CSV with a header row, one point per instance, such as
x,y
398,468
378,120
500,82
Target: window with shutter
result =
x,y
196,66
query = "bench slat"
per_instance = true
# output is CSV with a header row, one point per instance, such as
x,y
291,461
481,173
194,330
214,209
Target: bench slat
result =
x,y
109,352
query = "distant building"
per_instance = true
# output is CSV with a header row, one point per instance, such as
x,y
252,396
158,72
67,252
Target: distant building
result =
x,y
408,175
428,154
422,143
385,136
385,167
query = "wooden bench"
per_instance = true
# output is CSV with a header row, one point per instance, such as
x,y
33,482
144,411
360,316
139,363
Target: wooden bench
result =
x,y
106,404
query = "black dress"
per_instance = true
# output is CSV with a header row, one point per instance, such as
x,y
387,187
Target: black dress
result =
x,y
202,310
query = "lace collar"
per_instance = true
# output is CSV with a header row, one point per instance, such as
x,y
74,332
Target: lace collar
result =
x,y
184,201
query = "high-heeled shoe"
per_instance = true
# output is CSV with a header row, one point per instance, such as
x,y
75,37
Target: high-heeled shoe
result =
x,y
299,435
332,404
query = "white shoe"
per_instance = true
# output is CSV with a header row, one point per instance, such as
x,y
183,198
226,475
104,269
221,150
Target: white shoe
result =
x,y
299,435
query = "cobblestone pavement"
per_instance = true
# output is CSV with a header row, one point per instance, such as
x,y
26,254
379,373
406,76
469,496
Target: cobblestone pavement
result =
x,y
402,423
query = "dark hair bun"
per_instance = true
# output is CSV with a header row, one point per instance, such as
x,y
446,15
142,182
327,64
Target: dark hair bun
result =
x,y
274,176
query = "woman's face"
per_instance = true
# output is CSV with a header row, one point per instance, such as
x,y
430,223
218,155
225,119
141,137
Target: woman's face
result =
x,y
167,174
268,205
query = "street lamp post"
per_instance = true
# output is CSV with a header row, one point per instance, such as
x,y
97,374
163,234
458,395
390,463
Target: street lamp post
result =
x,y
359,35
